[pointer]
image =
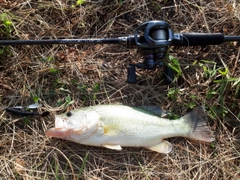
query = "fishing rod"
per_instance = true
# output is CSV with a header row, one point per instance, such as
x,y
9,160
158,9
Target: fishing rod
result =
x,y
152,39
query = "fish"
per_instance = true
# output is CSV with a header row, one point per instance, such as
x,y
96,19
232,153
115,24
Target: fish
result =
x,y
117,126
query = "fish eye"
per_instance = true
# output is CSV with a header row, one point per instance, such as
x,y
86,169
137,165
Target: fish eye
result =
x,y
69,114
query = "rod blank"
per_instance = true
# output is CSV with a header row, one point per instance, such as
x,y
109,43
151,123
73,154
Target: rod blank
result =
x,y
61,41
189,39
231,38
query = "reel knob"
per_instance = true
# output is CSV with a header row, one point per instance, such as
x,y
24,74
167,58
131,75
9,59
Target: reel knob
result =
x,y
131,77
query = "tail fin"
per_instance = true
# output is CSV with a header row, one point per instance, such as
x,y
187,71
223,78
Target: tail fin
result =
x,y
197,119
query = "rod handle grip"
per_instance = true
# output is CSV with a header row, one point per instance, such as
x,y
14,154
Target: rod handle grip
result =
x,y
198,39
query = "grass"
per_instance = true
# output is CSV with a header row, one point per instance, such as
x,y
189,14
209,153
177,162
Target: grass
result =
x,y
65,77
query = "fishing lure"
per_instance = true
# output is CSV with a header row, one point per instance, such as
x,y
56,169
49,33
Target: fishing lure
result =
x,y
19,110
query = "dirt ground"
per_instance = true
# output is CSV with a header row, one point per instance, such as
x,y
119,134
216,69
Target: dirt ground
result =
x,y
65,77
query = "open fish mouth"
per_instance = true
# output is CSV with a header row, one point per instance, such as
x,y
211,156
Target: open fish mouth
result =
x,y
60,130
65,130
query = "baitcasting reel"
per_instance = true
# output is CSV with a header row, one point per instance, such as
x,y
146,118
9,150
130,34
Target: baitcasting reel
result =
x,y
152,39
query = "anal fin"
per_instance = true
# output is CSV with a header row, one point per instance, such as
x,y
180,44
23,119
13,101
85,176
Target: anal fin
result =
x,y
114,147
163,147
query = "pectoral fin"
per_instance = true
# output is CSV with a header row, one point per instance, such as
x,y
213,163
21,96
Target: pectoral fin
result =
x,y
164,147
111,129
114,147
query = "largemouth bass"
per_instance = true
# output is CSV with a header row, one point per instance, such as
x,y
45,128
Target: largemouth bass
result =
x,y
116,126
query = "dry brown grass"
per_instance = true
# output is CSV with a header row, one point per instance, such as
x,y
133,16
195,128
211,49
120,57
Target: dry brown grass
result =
x,y
28,72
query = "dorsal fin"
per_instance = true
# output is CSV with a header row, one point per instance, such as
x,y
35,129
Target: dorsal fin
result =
x,y
155,110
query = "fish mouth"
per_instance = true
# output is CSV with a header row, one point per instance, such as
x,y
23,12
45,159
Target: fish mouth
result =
x,y
60,130
58,133
65,129
60,122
